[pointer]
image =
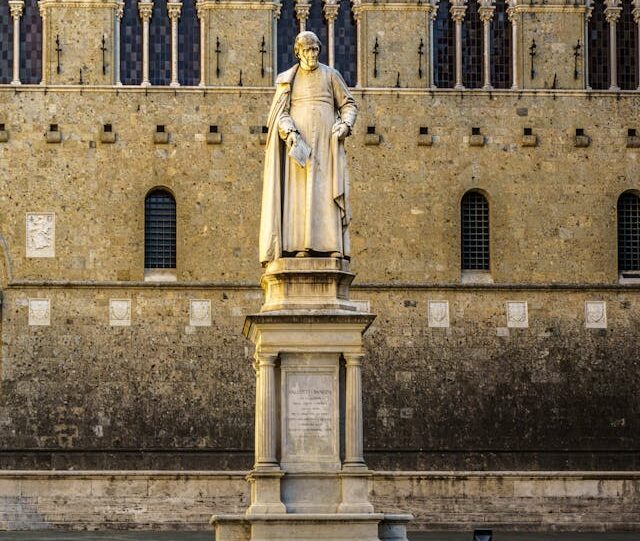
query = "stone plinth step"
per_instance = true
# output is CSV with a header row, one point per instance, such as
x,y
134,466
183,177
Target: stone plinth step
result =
x,y
311,527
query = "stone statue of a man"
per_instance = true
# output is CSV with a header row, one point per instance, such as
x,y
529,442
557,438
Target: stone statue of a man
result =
x,y
305,199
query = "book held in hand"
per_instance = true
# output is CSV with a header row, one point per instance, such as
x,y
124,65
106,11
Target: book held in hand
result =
x,y
300,152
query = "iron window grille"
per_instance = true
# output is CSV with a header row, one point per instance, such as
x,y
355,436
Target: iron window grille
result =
x,y
629,233
160,230
475,232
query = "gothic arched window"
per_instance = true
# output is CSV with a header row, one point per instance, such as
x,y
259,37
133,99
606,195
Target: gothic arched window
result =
x,y
474,214
501,47
159,230
627,47
629,234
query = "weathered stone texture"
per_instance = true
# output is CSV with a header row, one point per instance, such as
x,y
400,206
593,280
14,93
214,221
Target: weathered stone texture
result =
x,y
163,394
439,500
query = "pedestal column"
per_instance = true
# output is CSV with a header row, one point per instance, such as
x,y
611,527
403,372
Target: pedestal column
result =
x,y
145,8
16,7
266,421
458,10
354,447
612,14
173,10
511,13
486,14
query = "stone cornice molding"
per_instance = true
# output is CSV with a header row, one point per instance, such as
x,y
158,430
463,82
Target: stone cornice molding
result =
x,y
16,8
362,6
44,4
546,8
145,8
202,5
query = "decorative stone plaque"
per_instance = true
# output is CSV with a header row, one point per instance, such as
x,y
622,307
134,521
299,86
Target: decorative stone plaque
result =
x,y
120,312
41,235
309,423
39,312
595,315
439,314
517,315
200,313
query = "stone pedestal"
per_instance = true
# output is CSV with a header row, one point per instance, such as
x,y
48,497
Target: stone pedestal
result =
x,y
309,479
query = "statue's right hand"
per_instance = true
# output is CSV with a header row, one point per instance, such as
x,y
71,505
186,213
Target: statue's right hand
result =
x,y
292,138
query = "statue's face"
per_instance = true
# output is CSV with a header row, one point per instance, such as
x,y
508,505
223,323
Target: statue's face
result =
x,y
308,54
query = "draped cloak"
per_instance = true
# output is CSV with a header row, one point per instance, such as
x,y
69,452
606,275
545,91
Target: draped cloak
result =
x,y
306,208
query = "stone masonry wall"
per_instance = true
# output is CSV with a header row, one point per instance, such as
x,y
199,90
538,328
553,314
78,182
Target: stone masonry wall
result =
x,y
504,501
164,394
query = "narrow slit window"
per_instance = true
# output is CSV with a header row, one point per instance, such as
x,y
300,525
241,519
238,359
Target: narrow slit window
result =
x,y
475,232
159,230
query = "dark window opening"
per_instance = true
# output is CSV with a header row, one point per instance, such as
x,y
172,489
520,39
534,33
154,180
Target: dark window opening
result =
x,y
475,232
131,44
444,45
628,233
472,37
159,230
598,47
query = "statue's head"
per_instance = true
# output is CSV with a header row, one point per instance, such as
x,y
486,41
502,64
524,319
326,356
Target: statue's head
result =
x,y
307,48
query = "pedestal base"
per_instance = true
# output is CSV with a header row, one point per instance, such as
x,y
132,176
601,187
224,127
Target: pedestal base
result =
x,y
311,527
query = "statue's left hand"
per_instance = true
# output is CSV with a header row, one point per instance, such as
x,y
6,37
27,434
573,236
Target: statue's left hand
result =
x,y
341,129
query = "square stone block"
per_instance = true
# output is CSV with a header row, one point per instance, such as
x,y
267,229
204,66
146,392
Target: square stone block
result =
x,y
119,312
200,313
439,314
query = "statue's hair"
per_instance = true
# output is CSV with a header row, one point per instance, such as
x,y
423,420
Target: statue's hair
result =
x,y
305,37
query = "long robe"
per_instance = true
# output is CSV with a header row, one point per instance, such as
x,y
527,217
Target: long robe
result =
x,y
306,208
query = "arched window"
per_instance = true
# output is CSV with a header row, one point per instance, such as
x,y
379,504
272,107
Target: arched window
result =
x,y
474,232
159,230
629,234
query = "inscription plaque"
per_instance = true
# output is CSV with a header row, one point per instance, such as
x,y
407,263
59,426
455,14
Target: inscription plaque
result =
x,y
310,420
